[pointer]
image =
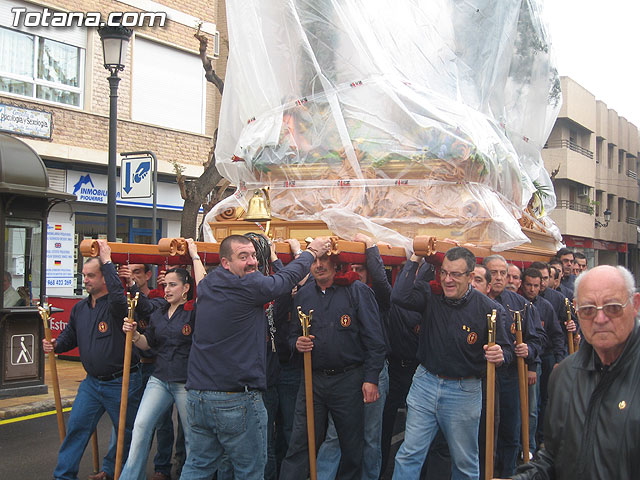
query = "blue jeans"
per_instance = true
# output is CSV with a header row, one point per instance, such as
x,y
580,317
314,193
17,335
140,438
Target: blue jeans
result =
x,y
230,423
534,393
158,399
95,397
329,452
453,406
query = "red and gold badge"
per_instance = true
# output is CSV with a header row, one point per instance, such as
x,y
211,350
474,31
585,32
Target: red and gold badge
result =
x,y
103,327
186,329
472,337
416,329
345,320
513,328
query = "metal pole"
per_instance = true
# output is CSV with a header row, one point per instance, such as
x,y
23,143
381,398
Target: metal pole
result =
x,y
113,148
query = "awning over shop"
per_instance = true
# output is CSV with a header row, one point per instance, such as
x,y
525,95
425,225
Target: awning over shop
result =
x,y
22,171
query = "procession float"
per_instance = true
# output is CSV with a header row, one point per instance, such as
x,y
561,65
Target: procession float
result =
x,y
394,119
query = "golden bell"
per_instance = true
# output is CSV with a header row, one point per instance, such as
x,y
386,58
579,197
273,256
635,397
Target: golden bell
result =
x,y
259,209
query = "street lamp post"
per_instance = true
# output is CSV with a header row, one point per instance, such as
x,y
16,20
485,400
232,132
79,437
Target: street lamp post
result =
x,y
114,48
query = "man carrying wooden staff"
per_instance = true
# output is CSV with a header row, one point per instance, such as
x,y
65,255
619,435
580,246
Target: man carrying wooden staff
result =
x,y
446,392
509,377
305,321
348,351
524,392
95,327
491,393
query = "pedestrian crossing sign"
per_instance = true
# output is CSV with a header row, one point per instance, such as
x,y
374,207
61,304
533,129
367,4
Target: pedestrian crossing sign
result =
x,y
22,349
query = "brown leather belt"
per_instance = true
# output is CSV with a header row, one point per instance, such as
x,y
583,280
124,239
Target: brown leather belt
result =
x,y
147,360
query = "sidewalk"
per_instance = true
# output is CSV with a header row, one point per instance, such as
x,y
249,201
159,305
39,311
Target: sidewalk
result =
x,y
70,374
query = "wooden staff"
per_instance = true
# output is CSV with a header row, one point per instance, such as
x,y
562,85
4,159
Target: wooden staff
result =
x,y
491,391
569,334
126,366
45,314
96,454
305,320
523,383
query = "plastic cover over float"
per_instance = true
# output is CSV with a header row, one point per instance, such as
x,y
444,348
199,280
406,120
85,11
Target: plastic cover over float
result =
x,y
392,118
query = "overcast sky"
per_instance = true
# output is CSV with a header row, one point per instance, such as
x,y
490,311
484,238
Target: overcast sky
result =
x,y
597,43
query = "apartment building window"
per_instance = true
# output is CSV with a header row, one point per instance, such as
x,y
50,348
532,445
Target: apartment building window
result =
x,y
42,68
599,144
610,155
621,209
158,69
621,161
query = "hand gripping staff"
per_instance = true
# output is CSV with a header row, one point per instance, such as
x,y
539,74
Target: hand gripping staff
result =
x,y
523,383
126,366
491,391
572,347
305,321
45,314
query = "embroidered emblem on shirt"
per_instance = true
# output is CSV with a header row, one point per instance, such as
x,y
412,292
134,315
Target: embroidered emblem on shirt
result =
x,y
416,329
472,337
186,329
465,328
345,320
103,327
622,405
513,328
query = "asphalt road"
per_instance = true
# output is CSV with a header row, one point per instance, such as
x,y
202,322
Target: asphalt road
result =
x,y
29,449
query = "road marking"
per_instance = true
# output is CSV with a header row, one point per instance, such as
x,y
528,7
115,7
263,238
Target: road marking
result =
x,y
29,417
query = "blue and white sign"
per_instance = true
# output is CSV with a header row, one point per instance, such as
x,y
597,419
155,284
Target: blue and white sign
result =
x,y
92,187
135,176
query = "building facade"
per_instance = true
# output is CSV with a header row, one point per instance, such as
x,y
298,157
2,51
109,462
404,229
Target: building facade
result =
x,y
596,154
54,95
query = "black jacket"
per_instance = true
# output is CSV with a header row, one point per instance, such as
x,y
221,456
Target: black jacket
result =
x,y
592,425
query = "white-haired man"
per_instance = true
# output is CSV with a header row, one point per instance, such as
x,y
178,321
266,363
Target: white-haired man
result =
x,y
592,426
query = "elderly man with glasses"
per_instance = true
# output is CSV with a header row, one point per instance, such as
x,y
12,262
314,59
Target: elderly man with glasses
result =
x,y
446,392
592,427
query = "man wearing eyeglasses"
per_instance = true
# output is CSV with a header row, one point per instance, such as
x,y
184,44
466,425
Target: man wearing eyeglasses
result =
x,y
593,420
446,391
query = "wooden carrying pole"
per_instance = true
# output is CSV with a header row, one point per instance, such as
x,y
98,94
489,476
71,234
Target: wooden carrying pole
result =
x,y
45,314
94,449
569,334
126,366
305,320
491,391
523,383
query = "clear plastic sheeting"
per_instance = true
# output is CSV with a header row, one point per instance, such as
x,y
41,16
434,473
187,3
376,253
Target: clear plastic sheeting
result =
x,y
393,118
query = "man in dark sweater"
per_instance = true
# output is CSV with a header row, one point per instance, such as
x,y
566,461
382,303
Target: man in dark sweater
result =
x,y
446,392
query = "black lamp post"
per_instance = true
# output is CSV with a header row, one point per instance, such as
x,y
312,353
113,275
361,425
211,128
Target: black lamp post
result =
x,y
114,48
607,218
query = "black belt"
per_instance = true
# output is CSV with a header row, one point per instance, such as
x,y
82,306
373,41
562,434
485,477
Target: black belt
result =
x,y
113,376
444,377
337,371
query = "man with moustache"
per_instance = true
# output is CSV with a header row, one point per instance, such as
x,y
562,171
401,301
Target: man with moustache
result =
x,y
95,327
592,427
514,278
227,364
348,352
446,391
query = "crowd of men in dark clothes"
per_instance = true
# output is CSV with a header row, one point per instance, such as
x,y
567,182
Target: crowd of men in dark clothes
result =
x,y
235,362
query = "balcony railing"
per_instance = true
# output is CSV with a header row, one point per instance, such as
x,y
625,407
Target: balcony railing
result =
x,y
632,174
571,146
578,207
633,221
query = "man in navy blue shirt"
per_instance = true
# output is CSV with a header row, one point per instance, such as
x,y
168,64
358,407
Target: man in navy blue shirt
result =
x,y
95,327
507,376
348,353
446,392
227,364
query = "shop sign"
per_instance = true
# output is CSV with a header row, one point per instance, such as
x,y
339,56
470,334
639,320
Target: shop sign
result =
x,y
60,253
25,121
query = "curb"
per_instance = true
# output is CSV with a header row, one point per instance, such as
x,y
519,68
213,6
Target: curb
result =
x,y
34,408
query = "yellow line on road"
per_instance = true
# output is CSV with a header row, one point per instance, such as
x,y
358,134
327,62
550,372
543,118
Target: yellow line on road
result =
x,y
29,417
